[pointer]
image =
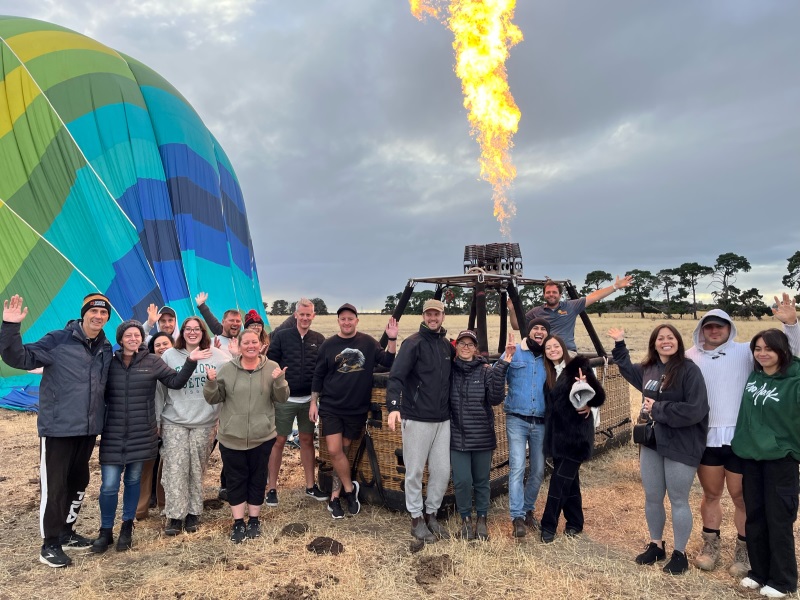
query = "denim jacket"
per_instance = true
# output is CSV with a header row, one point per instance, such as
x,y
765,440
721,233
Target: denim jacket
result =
x,y
526,377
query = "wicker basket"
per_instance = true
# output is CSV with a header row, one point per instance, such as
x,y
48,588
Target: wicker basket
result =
x,y
614,430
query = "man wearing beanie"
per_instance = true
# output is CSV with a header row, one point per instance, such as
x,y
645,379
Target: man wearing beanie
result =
x,y
71,412
524,408
418,397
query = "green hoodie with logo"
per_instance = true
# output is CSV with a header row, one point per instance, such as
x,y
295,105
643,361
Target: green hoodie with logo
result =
x,y
768,427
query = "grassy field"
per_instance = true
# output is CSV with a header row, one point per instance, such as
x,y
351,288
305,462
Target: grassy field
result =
x,y
376,562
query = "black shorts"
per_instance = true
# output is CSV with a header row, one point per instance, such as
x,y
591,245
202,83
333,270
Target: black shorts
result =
x,y
350,426
722,457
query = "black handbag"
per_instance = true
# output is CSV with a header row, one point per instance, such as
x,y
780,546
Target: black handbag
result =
x,y
645,434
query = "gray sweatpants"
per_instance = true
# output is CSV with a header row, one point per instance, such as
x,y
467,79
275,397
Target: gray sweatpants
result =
x,y
426,442
664,476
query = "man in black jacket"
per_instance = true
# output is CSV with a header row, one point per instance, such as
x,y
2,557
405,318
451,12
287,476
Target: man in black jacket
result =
x,y
71,412
418,393
296,350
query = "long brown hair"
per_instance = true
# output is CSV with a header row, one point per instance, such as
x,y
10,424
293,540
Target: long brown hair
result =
x,y
675,363
549,366
205,339
776,341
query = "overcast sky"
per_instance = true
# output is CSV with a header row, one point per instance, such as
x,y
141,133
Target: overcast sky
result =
x,y
652,133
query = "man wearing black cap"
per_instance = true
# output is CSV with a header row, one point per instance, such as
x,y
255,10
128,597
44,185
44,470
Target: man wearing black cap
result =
x,y
75,362
524,408
418,397
342,385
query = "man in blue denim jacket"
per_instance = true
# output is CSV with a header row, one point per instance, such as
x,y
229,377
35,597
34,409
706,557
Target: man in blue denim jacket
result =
x,y
524,408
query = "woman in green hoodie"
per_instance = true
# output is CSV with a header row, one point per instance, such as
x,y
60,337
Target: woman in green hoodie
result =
x,y
767,438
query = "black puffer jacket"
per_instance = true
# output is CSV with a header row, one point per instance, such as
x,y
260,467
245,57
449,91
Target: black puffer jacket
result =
x,y
419,382
568,434
299,354
475,388
73,380
130,433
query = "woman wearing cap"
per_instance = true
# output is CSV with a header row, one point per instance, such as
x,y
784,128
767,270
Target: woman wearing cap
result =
x,y
674,395
475,387
254,322
247,389
188,426
571,389
130,434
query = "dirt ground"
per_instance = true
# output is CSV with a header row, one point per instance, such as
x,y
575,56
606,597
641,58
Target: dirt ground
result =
x,y
376,561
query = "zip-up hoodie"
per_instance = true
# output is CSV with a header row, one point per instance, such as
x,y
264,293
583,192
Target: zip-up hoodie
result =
x,y
247,418
186,406
419,382
768,427
726,369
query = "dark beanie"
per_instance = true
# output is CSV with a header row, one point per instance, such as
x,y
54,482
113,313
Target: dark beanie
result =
x,y
95,300
539,321
252,317
125,325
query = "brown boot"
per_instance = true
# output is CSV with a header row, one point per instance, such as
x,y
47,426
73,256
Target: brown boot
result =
x,y
741,561
467,532
709,555
420,531
437,528
518,528
481,529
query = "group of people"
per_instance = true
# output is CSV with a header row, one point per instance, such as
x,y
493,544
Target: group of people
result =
x,y
714,409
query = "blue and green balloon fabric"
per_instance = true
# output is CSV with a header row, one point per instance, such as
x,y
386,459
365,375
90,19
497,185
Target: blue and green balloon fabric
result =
x,y
110,182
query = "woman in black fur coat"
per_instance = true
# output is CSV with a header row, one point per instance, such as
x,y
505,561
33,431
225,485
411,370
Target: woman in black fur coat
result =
x,y
571,390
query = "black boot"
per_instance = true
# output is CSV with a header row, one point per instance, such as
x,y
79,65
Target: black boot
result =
x,y
125,539
103,541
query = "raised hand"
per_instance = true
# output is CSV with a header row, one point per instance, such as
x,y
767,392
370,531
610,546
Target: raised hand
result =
x,y
623,282
152,313
197,354
392,328
13,311
278,372
617,334
511,346
233,346
785,310
211,374
200,298
217,342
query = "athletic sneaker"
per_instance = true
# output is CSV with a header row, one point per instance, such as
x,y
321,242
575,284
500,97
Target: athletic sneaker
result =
x,y
771,592
239,532
253,529
335,508
678,563
651,554
53,556
317,494
272,498
353,505
750,584
74,541
191,524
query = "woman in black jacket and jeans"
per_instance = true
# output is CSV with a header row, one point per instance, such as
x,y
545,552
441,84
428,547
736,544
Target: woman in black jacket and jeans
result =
x,y
130,435
570,391
475,388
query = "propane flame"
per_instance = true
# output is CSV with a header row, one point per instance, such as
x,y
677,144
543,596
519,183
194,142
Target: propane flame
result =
x,y
483,34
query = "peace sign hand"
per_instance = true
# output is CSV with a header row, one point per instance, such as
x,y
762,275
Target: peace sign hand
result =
x,y
511,346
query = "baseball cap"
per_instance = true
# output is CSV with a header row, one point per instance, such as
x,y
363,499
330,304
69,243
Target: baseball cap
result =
x,y
349,307
433,304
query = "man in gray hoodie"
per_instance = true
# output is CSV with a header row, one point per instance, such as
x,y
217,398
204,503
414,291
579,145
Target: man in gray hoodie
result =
x,y
726,365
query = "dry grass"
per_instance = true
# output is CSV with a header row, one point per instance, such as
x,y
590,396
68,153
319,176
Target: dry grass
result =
x,y
376,562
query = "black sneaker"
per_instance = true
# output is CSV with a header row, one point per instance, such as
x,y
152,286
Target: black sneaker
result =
x,y
174,527
548,537
678,563
53,556
652,553
335,508
239,532
353,505
572,532
317,494
272,498
191,524
253,529
74,541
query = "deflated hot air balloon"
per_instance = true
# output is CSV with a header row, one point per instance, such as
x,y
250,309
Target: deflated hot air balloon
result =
x,y
109,181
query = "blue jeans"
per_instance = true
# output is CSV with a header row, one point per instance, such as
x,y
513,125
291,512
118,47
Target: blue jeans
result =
x,y
522,435
109,492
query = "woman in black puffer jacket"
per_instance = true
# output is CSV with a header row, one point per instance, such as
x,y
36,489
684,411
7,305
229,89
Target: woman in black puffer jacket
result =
x,y
130,436
571,390
475,388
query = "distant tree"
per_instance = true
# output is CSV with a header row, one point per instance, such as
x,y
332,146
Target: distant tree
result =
x,y
678,303
751,305
391,303
792,280
292,307
417,300
320,307
530,295
689,274
726,268
593,282
266,310
667,282
638,292
280,307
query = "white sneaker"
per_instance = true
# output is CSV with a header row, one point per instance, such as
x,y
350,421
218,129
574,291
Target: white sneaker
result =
x,y
750,584
771,592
